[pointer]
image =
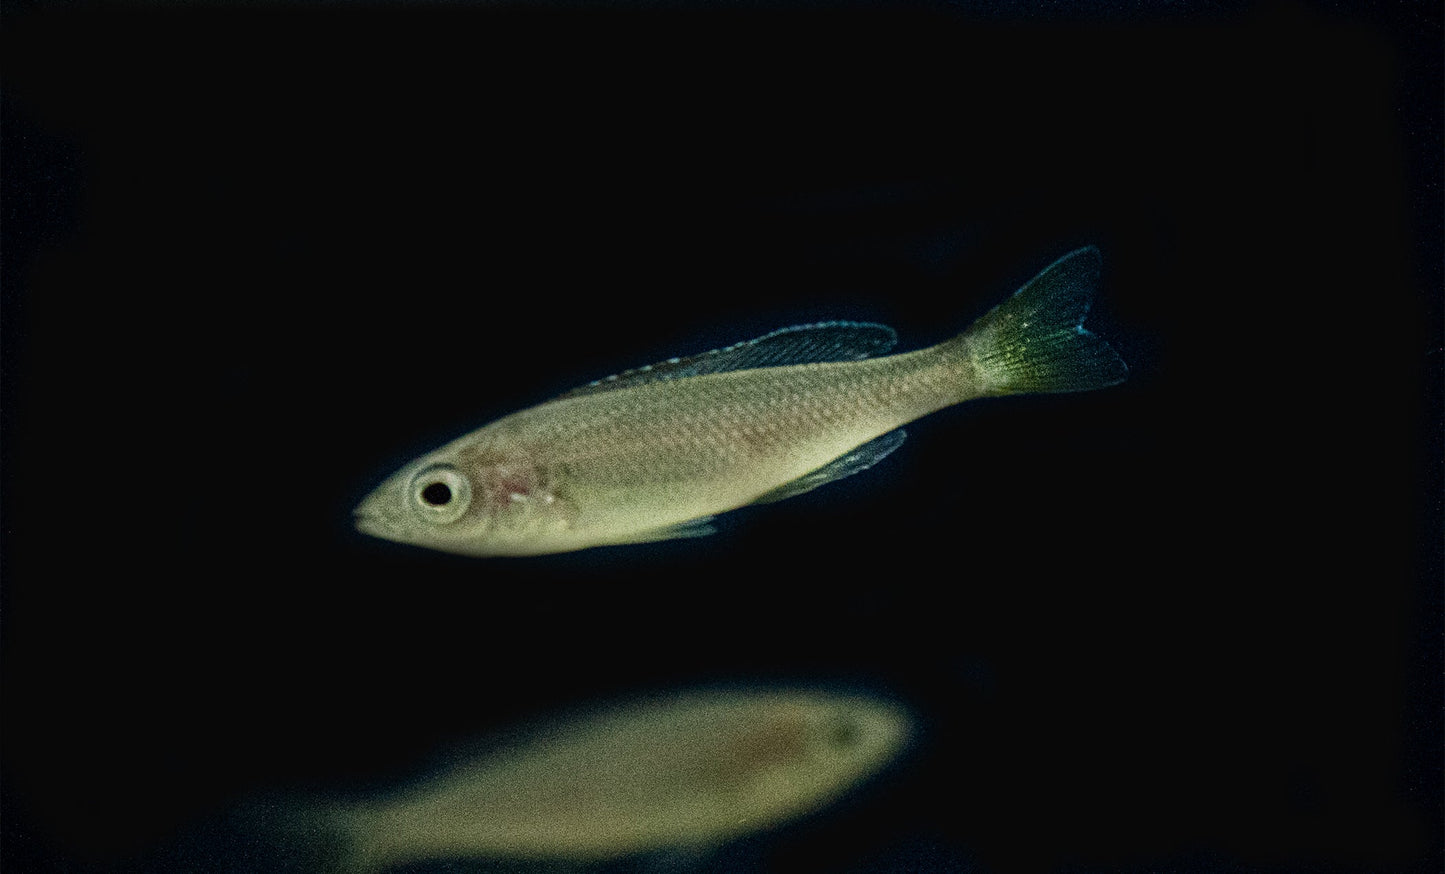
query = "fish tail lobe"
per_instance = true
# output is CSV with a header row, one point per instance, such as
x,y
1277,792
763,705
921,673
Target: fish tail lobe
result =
x,y
294,835
1036,342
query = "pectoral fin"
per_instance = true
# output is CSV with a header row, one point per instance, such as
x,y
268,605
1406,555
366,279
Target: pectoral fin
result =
x,y
855,460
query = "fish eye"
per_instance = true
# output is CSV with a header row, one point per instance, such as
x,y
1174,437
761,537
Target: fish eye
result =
x,y
440,494
844,733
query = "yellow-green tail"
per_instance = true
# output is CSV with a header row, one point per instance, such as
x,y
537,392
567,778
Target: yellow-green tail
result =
x,y
1036,342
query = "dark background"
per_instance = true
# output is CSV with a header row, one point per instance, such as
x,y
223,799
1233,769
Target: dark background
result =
x,y
255,258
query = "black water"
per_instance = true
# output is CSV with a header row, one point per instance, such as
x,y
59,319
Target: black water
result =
x,y
256,257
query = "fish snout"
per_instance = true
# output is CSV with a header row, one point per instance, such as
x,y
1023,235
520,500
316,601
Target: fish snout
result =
x,y
368,517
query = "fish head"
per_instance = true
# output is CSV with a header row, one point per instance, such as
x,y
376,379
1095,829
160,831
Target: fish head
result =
x,y
771,757
815,746
466,501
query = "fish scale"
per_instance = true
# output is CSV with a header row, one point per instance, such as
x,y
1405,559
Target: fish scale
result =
x,y
710,420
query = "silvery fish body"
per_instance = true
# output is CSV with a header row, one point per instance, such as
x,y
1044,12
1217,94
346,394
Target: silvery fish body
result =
x,y
654,453
690,770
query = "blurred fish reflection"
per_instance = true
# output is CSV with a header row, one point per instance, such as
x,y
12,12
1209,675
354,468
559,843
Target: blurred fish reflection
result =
x,y
682,772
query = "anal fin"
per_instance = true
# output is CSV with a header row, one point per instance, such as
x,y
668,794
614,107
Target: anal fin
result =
x,y
699,527
855,460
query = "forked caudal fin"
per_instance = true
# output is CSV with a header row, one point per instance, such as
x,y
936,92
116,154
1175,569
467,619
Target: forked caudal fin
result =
x,y
1036,342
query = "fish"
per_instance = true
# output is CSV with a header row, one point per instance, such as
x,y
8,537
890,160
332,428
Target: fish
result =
x,y
658,452
684,771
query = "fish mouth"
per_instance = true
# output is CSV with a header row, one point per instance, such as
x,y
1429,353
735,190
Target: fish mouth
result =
x,y
369,523
366,518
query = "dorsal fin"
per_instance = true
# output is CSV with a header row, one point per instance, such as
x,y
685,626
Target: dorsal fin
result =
x,y
800,344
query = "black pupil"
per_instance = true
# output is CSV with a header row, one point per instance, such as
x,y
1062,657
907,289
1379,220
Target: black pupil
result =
x,y
845,734
436,494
